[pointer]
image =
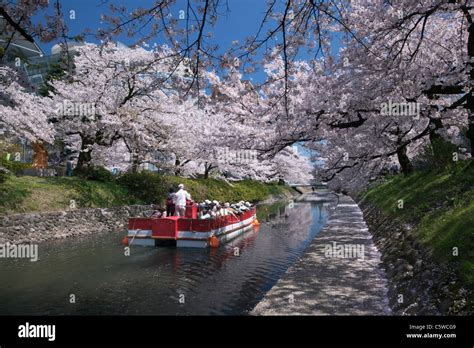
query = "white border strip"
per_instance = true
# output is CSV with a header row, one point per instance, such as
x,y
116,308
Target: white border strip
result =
x,y
139,233
216,232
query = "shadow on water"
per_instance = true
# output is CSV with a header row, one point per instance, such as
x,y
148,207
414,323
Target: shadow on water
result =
x,y
160,281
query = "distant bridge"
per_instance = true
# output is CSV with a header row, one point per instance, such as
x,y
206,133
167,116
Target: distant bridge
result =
x,y
301,188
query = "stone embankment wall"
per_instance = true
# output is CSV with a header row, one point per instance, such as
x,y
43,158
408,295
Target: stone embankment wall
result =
x,y
418,285
40,227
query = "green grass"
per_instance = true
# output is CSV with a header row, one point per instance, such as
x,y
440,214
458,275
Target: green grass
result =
x,y
247,190
441,207
36,194
33,194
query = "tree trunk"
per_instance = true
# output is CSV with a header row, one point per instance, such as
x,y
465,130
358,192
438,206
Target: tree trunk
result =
x,y
177,167
435,137
85,155
470,131
135,165
404,161
207,169
135,159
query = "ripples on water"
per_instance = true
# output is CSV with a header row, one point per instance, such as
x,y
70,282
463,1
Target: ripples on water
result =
x,y
151,280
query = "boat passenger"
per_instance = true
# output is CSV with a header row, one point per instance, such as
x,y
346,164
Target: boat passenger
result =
x,y
180,200
170,202
206,216
158,213
203,211
213,211
228,210
216,209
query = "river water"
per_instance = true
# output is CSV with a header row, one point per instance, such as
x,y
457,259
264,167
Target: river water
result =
x,y
94,273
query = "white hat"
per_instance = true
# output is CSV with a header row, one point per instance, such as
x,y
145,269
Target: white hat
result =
x,y
180,186
226,204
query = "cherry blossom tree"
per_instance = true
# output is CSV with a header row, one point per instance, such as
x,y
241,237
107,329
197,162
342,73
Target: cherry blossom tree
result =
x,y
402,79
293,167
23,113
114,92
340,103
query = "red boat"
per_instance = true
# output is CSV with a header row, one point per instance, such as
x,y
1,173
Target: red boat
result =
x,y
189,231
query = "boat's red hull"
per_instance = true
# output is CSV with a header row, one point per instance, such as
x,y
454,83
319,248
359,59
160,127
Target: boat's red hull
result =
x,y
189,232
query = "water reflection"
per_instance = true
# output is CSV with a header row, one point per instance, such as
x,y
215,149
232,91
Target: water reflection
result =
x,y
152,281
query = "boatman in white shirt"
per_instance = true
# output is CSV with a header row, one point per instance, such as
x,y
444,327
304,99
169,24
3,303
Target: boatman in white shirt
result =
x,y
180,198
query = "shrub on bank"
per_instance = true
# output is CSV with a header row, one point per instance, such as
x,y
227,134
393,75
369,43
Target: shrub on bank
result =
x,y
4,173
146,186
96,173
436,156
14,166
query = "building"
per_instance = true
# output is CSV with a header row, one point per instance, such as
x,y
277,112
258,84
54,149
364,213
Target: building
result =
x,y
26,54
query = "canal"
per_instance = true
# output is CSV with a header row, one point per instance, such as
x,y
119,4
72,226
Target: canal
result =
x,y
92,276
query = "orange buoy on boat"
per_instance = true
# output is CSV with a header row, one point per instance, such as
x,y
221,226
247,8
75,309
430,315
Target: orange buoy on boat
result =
x,y
125,241
214,242
256,223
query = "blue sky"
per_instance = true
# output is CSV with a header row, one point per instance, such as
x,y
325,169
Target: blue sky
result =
x,y
240,20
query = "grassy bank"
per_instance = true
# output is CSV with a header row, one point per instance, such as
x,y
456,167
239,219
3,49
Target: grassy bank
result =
x,y
35,194
440,206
